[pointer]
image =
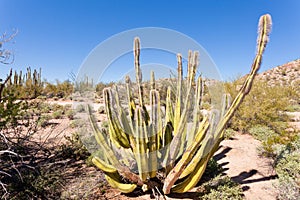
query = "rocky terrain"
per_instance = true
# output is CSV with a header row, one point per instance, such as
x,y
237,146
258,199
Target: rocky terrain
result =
x,y
286,74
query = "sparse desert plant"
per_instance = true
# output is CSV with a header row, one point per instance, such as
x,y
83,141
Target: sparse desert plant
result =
x,y
70,114
74,148
288,169
101,110
44,120
57,114
147,144
263,106
261,132
221,188
80,108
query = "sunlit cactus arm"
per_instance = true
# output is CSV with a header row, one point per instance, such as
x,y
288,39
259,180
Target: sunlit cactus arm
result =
x,y
169,108
179,141
226,102
139,78
141,145
123,120
130,100
110,155
155,138
189,96
197,112
193,65
186,157
178,105
102,140
264,29
116,182
189,65
138,72
117,134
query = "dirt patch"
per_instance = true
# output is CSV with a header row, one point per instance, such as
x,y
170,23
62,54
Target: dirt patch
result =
x,y
241,161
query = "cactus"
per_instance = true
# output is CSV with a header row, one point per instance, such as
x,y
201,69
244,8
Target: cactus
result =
x,y
156,144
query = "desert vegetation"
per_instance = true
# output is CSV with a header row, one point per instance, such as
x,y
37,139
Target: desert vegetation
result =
x,y
138,131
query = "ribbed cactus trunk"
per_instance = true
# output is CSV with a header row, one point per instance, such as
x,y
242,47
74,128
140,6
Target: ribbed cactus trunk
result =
x,y
153,143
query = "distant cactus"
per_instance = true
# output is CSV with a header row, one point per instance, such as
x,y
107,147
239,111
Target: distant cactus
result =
x,y
161,144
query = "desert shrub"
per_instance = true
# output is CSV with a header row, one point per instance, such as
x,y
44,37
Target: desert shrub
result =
x,y
221,188
36,184
100,86
43,107
101,110
57,114
41,97
105,124
293,108
58,90
288,169
263,106
80,108
212,170
270,139
43,120
76,123
70,114
229,133
74,148
261,132
56,107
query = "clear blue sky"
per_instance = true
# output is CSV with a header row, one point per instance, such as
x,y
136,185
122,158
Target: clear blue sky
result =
x,y
57,35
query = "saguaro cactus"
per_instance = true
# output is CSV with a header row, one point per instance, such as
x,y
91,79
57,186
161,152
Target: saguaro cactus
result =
x,y
150,143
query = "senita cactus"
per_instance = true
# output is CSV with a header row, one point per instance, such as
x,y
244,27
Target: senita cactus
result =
x,y
151,143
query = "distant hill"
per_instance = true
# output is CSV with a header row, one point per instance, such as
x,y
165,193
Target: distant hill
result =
x,y
286,74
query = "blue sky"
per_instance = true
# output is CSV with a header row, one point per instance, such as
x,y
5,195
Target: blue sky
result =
x,y
58,35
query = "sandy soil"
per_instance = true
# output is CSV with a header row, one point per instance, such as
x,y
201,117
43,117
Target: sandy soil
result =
x,y
240,159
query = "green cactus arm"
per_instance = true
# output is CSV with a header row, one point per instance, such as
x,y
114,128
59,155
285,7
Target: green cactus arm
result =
x,y
116,131
193,178
141,146
152,80
186,157
178,105
189,65
179,141
193,67
125,123
197,112
169,108
139,78
263,34
156,131
109,154
131,104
